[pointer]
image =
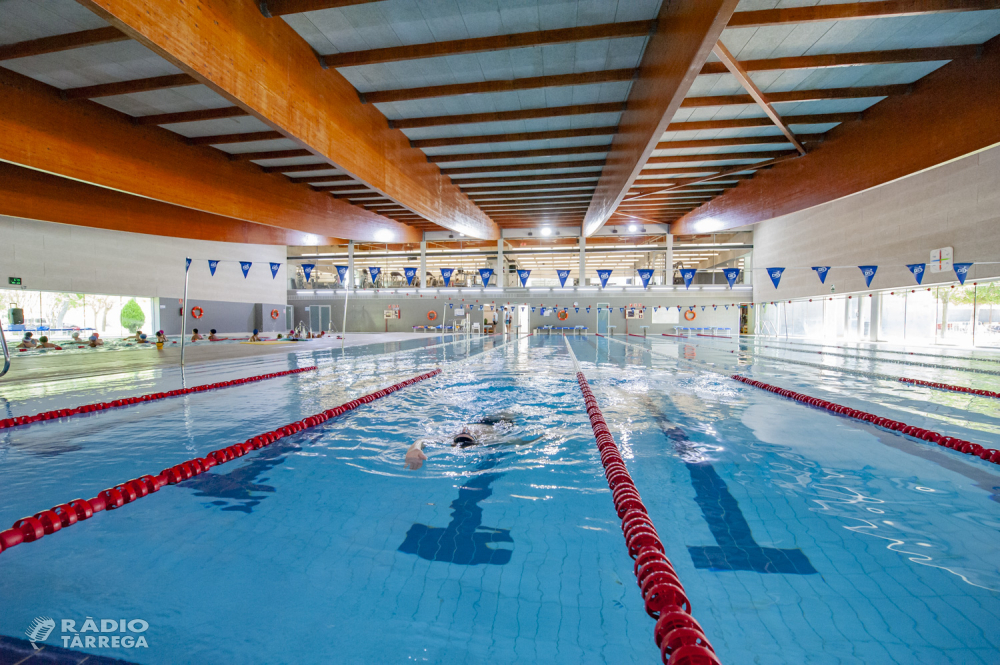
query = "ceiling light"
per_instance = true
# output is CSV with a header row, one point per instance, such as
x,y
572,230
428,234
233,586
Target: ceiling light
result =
x,y
546,231
632,228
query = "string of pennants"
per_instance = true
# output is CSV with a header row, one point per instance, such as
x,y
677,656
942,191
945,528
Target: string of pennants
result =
x,y
213,265
918,270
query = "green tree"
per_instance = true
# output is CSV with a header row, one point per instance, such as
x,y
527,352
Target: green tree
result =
x,y
983,294
132,316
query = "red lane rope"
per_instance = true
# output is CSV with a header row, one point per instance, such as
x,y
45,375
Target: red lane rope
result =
x,y
678,635
961,445
152,397
634,335
945,386
715,336
47,522
669,335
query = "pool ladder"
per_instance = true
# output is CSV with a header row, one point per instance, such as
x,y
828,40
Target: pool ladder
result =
x,y
6,351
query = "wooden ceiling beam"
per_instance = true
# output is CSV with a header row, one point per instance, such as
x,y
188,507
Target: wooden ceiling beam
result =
x,y
94,144
271,154
518,154
223,139
675,53
652,183
266,67
307,169
519,136
65,42
740,123
719,157
273,8
718,176
511,85
832,60
505,116
507,168
555,177
129,87
484,44
736,141
856,10
190,116
951,112
859,92
338,188
530,188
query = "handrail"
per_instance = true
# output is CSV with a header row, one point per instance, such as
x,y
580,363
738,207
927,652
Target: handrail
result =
x,y
6,351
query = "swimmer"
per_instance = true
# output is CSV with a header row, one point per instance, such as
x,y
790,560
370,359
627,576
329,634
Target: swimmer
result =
x,y
45,344
280,336
138,336
488,430
96,341
195,336
75,337
142,339
255,337
160,337
321,333
27,342
212,337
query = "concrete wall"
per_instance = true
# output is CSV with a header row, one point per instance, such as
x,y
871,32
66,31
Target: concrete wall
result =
x,y
60,257
953,205
226,317
365,311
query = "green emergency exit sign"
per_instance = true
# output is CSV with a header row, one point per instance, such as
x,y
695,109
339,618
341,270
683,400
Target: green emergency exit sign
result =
x,y
16,281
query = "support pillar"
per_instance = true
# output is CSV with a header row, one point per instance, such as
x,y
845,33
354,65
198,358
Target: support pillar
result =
x,y
350,264
668,259
501,271
423,264
583,260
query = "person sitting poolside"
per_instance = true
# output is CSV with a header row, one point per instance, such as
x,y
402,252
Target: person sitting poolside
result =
x,y
255,337
488,430
46,344
195,336
212,337
27,342
96,341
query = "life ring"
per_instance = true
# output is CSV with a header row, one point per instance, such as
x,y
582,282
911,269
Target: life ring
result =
x,y
431,315
562,315
691,313
197,312
275,314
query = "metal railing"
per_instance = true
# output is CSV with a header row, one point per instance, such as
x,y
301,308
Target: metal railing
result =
x,y
6,351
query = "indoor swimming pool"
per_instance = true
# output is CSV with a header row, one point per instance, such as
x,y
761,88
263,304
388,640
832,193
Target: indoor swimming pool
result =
x,y
800,536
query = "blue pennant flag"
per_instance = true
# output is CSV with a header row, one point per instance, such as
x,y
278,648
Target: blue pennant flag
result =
x,y
821,272
245,267
532,309
274,269
341,272
731,275
450,305
688,275
727,308
621,309
374,271
678,308
212,265
576,309
918,270
703,308
645,274
588,310
410,273
961,271
869,273
523,276
775,275
307,270
604,276
447,273
562,275
187,265
485,274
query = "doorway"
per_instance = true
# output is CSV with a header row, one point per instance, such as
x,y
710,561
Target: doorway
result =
x,y
524,319
603,313
319,318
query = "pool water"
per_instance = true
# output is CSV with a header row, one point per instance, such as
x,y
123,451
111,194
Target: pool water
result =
x,y
800,536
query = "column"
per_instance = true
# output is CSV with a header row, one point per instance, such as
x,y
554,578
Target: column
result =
x,y
668,259
583,260
501,271
876,317
350,264
423,264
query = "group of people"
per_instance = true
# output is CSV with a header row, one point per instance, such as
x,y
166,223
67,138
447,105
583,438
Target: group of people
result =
x,y
29,341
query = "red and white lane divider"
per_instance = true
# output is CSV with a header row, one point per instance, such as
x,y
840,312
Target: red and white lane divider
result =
x,y
47,522
961,445
128,401
945,386
678,635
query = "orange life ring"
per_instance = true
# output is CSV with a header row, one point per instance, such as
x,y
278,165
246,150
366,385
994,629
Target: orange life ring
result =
x,y
562,315
197,312
691,312
275,314
431,315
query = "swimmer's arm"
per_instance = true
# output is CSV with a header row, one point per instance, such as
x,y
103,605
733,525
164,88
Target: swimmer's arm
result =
x,y
415,456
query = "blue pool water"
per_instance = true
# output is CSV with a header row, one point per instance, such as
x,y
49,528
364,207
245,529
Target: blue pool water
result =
x,y
800,536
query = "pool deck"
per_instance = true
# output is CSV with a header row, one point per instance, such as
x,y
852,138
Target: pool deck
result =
x,y
52,366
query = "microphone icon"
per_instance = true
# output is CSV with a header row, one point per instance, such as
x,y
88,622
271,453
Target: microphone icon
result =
x,y
39,630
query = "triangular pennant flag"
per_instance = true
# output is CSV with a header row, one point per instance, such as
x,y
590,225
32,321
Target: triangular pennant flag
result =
x,y
714,308
645,274
678,308
341,272
577,309
727,307
703,308
446,273
961,271
775,275
562,275
374,271
604,276
821,272
485,274
450,305
588,310
245,267
187,264
688,275
918,270
731,275
523,276
212,265
307,269
869,273
274,269
409,273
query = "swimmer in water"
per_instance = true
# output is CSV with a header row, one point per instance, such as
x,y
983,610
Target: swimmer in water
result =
x,y
76,337
46,344
255,337
212,337
161,338
96,341
142,339
195,336
488,430
27,342
138,336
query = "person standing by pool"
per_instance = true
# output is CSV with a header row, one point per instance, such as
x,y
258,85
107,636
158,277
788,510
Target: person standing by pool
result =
x,y
195,336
